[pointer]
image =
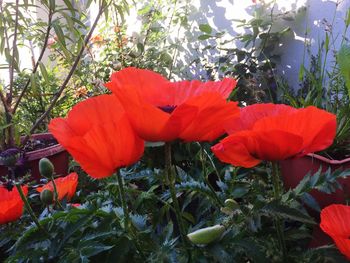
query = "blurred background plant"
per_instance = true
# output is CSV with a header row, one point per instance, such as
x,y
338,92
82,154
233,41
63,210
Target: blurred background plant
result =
x,y
251,56
324,82
29,92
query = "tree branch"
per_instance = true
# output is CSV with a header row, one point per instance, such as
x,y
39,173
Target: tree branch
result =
x,y
70,74
47,35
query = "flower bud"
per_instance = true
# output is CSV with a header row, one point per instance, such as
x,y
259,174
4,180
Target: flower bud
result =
x,y
116,65
9,157
232,204
46,168
46,197
206,235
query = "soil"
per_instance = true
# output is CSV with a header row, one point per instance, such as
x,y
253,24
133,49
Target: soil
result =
x,y
37,144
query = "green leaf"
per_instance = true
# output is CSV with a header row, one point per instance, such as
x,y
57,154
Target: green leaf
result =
x,y
140,47
326,44
205,28
310,201
347,21
59,33
69,5
52,5
33,83
301,73
44,72
279,210
92,248
344,64
204,37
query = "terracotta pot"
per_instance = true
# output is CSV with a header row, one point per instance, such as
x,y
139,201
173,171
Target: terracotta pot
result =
x,y
56,154
294,170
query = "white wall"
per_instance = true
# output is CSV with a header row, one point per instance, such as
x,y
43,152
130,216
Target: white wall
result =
x,y
221,15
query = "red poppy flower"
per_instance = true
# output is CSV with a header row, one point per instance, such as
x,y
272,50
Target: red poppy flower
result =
x,y
160,110
98,135
11,204
66,186
335,223
275,132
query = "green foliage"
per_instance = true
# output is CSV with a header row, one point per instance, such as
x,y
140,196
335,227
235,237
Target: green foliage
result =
x,y
251,56
343,58
95,231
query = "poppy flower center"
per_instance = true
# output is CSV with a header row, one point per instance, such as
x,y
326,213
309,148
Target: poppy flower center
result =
x,y
167,108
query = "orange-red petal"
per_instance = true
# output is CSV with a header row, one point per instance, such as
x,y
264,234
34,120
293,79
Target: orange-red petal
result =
x,y
108,142
248,148
198,108
211,113
151,86
251,114
236,151
11,204
158,91
335,222
148,121
66,186
317,127
183,90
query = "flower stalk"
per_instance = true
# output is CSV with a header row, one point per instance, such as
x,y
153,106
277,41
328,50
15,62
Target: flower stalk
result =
x,y
123,201
170,181
127,223
277,194
56,193
206,179
29,209
25,200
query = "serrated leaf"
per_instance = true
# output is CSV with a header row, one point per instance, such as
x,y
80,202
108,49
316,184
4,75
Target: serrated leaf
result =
x,y
93,249
310,201
283,211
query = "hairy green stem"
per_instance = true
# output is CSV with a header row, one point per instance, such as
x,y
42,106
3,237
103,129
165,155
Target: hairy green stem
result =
x,y
25,201
122,199
277,195
127,223
206,179
29,209
170,181
56,193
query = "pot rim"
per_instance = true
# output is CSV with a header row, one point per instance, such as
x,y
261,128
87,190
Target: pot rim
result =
x,y
45,152
327,160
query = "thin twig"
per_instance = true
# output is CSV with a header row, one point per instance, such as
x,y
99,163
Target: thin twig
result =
x,y
64,84
47,35
14,48
9,94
